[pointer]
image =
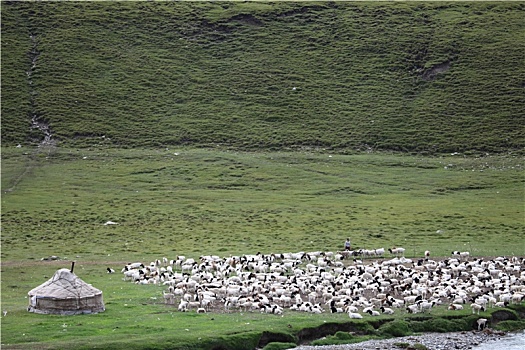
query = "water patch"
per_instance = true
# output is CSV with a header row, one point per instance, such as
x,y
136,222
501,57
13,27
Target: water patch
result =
x,y
512,341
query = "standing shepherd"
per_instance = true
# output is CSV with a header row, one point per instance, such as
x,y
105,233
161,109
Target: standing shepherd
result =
x,y
348,245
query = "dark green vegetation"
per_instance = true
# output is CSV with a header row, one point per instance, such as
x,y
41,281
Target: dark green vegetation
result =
x,y
131,98
441,322
417,77
279,346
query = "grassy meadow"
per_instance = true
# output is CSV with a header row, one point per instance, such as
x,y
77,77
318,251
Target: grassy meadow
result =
x,y
230,128
191,202
195,202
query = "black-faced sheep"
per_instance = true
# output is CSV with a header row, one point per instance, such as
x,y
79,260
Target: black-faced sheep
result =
x,y
396,251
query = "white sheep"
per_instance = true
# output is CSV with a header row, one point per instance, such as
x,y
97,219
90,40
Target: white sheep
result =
x,y
463,255
482,323
517,298
355,315
506,297
425,305
132,275
136,265
476,308
491,301
455,307
183,306
501,304
396,251
312,296
386,310
317,309
169,298
272,309
412,298
413,309
380,252
341,286
373,312
351,308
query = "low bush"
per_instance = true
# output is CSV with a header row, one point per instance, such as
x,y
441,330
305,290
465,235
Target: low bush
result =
x,y
419,346
248,340
509,326
364,327
398,328
343,335
463,323
440,325
279,346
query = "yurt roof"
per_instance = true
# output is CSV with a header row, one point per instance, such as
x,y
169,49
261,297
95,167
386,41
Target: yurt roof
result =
x,y
64,285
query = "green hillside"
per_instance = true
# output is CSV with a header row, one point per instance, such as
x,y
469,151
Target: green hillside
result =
x,y
417,77
137,130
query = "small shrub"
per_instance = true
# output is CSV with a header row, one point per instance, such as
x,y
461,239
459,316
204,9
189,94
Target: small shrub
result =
x,y
337,338
239,341
461,324
510,326
343,335
279,346
402,345
396,328
364,327
434,325
419,346
441,325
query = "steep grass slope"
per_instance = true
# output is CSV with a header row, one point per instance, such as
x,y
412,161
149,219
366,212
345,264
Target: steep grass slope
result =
x,y
418,77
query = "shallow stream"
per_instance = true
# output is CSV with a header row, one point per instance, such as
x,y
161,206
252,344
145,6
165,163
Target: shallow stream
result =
x,y
513,341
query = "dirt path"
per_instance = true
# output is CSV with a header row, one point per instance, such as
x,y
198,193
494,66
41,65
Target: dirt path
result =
x,y
60,263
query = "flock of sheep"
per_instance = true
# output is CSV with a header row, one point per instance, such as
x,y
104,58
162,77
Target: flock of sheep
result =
x,y
336,282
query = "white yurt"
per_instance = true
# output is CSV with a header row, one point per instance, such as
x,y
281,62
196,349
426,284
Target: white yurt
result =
x,y
65,294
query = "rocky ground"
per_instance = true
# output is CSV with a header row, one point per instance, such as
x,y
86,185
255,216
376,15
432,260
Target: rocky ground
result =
x,y
432,341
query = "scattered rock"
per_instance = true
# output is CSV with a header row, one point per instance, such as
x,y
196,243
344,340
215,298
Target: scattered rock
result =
x,y
49,258
430,341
